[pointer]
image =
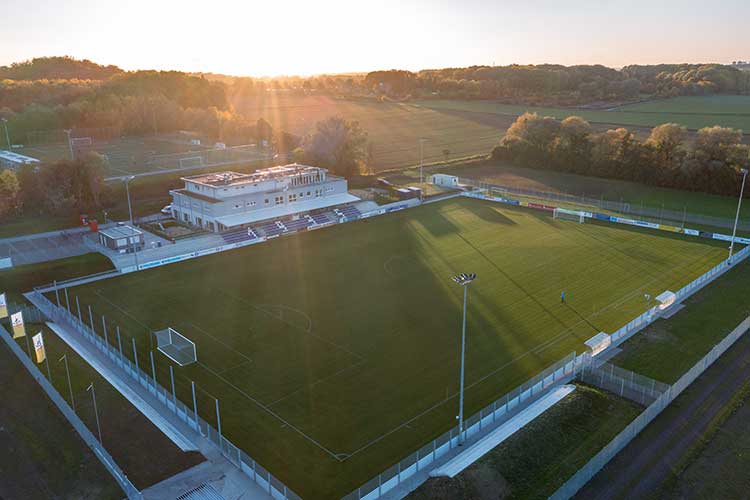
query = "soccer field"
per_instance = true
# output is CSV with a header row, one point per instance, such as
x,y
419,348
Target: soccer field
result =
x,y
335,353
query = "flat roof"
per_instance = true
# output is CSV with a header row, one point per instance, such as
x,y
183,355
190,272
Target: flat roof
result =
x,y
231,178
116,232
279,211
16,158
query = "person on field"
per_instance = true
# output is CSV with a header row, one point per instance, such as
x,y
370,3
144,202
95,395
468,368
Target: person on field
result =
x,y
562,298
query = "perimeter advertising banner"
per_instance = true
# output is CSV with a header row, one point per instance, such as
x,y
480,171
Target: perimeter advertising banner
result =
x,y
41,354
16,322
3,306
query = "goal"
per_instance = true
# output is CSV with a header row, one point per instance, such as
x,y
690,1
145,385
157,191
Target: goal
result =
x,y
563,213
193,161
176,346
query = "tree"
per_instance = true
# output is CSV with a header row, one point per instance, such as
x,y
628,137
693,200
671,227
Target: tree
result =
x,y
667,141
337,144
9,191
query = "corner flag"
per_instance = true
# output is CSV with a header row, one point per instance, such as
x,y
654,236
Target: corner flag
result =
x,y
41,354
16,321
3,306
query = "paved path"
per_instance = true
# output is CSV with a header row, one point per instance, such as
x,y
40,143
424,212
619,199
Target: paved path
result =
x,y
641,468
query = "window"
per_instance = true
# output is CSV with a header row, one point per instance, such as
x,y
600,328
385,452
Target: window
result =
x,y
237,206
266,201
292,198
279,200
308,193
186,217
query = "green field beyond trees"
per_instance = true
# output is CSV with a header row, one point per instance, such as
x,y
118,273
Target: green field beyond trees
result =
x,y
334,353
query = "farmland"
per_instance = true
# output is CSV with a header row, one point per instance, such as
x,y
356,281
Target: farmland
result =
x,y
337,356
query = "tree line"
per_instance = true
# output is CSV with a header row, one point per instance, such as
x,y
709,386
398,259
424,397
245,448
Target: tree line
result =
x,y
709,162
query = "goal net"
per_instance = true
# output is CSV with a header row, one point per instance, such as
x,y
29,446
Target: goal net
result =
x,y
193,161
576,215
176,346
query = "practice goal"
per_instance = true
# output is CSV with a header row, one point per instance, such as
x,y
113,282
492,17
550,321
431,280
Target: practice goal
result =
x,y
81,142
193,161
176,346
564,213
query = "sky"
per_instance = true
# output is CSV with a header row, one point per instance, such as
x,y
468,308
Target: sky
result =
x,y
274,37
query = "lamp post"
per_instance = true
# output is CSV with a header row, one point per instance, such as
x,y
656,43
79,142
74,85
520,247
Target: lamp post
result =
x,y
70,386
737,216
7,136
130,214
96,412
421,163
69,131
463,280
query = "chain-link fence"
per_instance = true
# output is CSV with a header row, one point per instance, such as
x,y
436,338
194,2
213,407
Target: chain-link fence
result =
x,y
575,483
658,215
476,426
104,457
113,350
624,383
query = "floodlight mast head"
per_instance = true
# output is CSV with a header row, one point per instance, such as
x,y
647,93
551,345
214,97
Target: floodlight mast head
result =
x,y
464,279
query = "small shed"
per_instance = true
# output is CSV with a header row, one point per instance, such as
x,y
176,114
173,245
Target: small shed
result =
x,y
445,180
666,299
122,239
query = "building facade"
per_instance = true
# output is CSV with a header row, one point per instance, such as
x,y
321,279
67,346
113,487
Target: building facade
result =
x,y
225,200
14,161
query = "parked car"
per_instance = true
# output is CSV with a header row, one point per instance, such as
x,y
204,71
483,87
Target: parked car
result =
x,y
167,210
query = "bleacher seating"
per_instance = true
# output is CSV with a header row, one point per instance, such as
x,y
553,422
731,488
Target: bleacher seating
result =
x,y
238,235
297,225
321,218
350,212
271,229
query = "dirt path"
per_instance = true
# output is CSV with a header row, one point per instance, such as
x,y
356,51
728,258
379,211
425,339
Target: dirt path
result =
x,y
640,470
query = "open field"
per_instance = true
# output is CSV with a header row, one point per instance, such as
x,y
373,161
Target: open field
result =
x,y
137,155
394,129
43,457
334,353
691,112
538,459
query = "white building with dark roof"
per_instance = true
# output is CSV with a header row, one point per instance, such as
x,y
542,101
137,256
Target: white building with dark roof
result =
x,y
226,200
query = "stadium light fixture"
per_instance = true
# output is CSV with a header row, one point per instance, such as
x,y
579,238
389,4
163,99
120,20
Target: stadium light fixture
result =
x,y
737,216
462,279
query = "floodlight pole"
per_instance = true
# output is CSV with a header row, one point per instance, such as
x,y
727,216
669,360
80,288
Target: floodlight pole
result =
x,y
96,411
463,280
737,216
70,386
69,131
130,212
7,136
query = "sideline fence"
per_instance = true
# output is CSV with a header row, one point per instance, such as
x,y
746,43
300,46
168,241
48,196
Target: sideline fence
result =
x,y
104,457
624,383
588,471
189,416
655,214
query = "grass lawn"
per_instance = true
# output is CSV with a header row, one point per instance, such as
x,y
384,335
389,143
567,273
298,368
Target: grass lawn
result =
x,y
691,112
685,338
334,353
43,457
21,279
143,452
539,458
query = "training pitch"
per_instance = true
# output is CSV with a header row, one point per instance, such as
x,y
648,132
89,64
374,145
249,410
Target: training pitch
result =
x,y
335,353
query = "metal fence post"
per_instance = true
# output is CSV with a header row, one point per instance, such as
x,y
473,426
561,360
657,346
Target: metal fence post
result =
x,y
135,358
57,293
153,368
119,342
91,322
195,405
218,424
104,328
78,306
174,393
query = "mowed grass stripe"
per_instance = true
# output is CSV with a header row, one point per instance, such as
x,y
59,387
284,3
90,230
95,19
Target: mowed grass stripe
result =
x,y
351,334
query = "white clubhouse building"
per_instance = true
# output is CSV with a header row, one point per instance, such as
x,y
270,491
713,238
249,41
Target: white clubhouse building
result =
x,y
227,200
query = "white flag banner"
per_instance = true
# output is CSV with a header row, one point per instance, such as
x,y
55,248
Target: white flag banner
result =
x,y
3,306
41,354
16,321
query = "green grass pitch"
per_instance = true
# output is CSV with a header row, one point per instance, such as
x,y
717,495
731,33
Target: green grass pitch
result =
x,y
335,353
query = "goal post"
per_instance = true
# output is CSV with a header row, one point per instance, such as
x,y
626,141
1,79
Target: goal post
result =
x,y
176,346
575,215
81,142
193,161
